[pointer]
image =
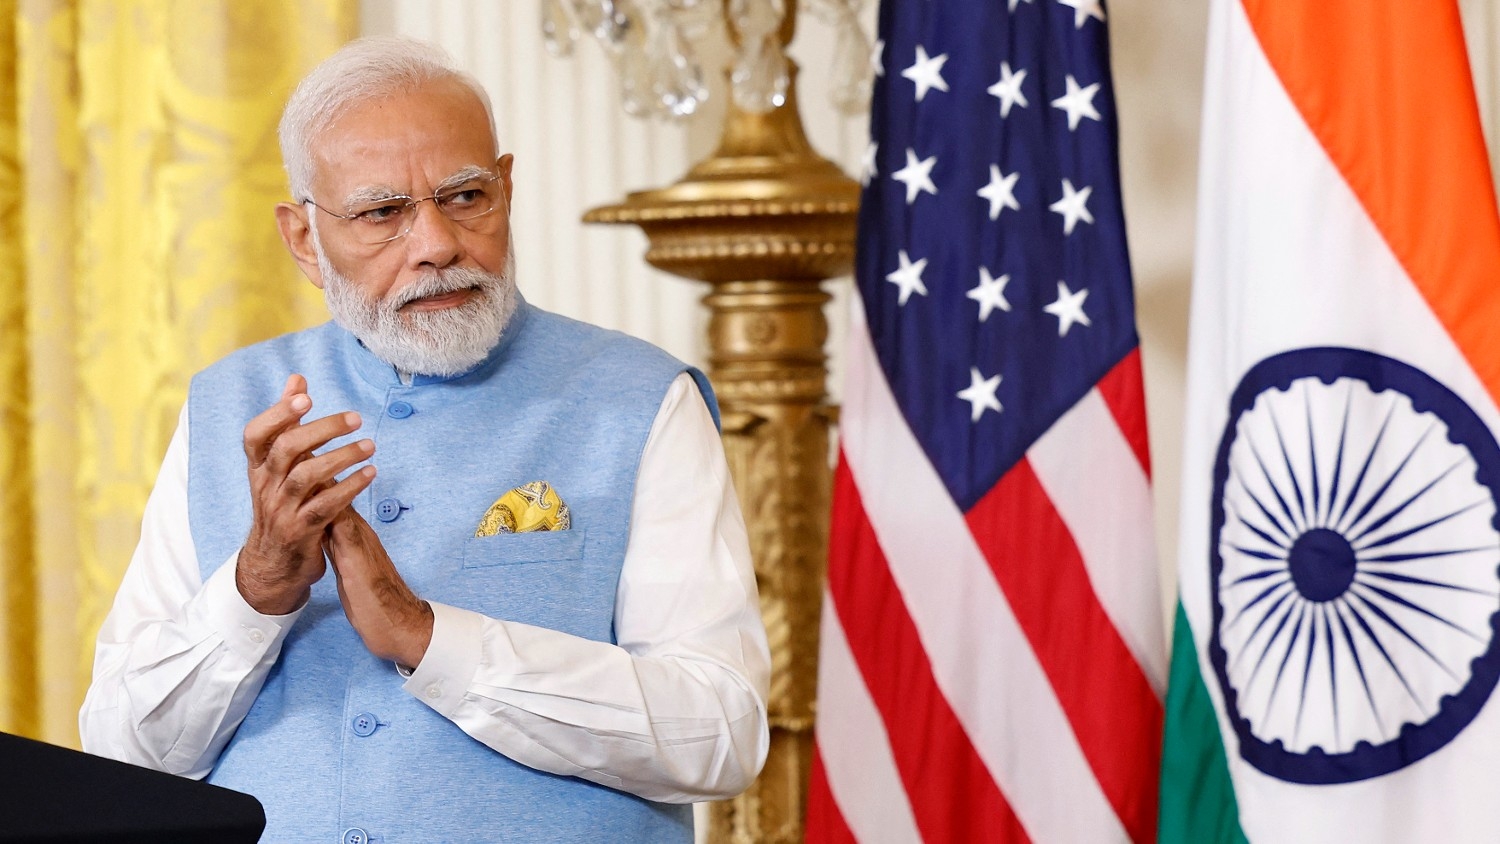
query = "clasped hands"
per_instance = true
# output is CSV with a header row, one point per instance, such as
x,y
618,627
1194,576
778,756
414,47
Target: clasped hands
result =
x,y
301,512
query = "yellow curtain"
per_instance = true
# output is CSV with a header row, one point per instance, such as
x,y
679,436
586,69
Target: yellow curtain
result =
x,y
138,168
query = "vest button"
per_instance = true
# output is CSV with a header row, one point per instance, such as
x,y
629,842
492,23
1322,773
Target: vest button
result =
x,y
399,410
364,724
388,510
354,835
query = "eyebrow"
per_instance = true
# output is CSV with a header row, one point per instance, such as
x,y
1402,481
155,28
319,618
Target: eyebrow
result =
x,y
380,193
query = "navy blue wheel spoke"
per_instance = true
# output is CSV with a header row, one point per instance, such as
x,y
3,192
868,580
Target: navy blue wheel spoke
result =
x,y
1338,459
1286,532
1312,458
1340,606
1422,581
1375,639
1260,555
1364,469
1333,673
1414,607
1291,471
1397,537
1402,631
1271,642
1423,555
1250,526
1265,617
1297,526
1385,487
1400,508
1257,599
1256,575
1312,649
1286,656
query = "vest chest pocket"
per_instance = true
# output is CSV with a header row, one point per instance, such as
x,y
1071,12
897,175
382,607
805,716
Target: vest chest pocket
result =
x,y
519,549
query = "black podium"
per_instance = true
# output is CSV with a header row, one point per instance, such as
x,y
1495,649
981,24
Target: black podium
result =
x,y
52,794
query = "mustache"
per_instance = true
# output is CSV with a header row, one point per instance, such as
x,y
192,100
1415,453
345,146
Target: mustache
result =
x,y
439,282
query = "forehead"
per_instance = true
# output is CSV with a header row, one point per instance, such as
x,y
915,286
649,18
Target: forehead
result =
x,y
408,141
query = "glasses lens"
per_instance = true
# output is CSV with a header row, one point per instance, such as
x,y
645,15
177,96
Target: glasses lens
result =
x,y
378,222
472,199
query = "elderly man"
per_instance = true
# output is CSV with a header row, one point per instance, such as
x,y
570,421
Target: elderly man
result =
x,y
542,623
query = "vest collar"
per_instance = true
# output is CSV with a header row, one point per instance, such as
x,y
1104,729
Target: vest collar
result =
x,y
381,374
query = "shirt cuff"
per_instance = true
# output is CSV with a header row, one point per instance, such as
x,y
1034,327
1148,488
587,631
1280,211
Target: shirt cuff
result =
x,y
246,633
452,658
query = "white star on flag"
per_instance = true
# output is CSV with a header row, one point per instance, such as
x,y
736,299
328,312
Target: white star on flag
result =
x,y
1068,308
1001,191
908,277
916,175
927,73
867,170
1008,89
1073,206
877,57
990,294
1014,2
1078,102
1083,10
980,394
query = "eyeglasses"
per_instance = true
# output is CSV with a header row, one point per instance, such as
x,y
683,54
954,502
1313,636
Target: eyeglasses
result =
x,y
390,217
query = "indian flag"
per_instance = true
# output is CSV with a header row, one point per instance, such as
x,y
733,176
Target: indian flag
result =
x,y
1335,651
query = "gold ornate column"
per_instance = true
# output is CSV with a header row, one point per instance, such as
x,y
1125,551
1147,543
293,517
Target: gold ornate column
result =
x,y
764,220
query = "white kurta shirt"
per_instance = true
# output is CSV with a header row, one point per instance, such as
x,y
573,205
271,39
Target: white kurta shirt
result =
x,y
676,712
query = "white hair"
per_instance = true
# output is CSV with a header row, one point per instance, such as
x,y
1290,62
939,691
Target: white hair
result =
x,y
362,70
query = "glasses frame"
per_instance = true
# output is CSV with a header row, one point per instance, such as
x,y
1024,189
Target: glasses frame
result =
x,y
411,202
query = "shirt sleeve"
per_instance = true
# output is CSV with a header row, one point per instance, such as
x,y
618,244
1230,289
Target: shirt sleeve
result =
x,y
676,711
179,660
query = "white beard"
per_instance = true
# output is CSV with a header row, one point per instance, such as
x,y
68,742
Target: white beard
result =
x,y
443,342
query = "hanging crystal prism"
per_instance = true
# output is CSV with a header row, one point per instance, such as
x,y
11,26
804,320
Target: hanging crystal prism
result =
x,y
761,75
609,20
559,30
634,68
677,77
853,77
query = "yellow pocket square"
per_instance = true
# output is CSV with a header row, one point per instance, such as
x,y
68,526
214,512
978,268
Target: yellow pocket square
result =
x,y
529,507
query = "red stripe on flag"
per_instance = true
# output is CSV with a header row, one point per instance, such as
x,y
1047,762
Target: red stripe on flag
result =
x,y
1124,392
953,795
825,823
1108,701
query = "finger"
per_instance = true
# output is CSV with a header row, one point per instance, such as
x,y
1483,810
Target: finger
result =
x,y
263,430
294,384
315,473
297,443
320,510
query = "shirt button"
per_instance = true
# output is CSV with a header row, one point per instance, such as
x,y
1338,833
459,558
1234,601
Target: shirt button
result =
x,y
433,692
256,636
388,510
399,410
354,835
364,724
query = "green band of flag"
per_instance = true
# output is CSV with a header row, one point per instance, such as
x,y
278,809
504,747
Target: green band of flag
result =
x,y
1197,797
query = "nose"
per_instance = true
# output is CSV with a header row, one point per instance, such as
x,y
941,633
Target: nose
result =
x,y
433,239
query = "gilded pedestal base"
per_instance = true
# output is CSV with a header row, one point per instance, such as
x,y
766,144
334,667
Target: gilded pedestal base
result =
x,y
765,220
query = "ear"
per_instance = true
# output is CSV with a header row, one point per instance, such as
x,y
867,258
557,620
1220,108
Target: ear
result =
x,y
502,166
296,233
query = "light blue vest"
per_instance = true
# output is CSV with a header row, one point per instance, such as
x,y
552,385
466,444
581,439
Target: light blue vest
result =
x,y
333,747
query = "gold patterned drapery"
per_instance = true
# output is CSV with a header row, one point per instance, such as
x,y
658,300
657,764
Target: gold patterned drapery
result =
x,y
138,169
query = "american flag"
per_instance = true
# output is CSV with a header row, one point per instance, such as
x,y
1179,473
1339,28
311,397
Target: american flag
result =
x,y
992,659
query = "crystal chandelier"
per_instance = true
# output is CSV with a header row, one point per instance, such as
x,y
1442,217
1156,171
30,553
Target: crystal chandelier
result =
x,y
651,43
